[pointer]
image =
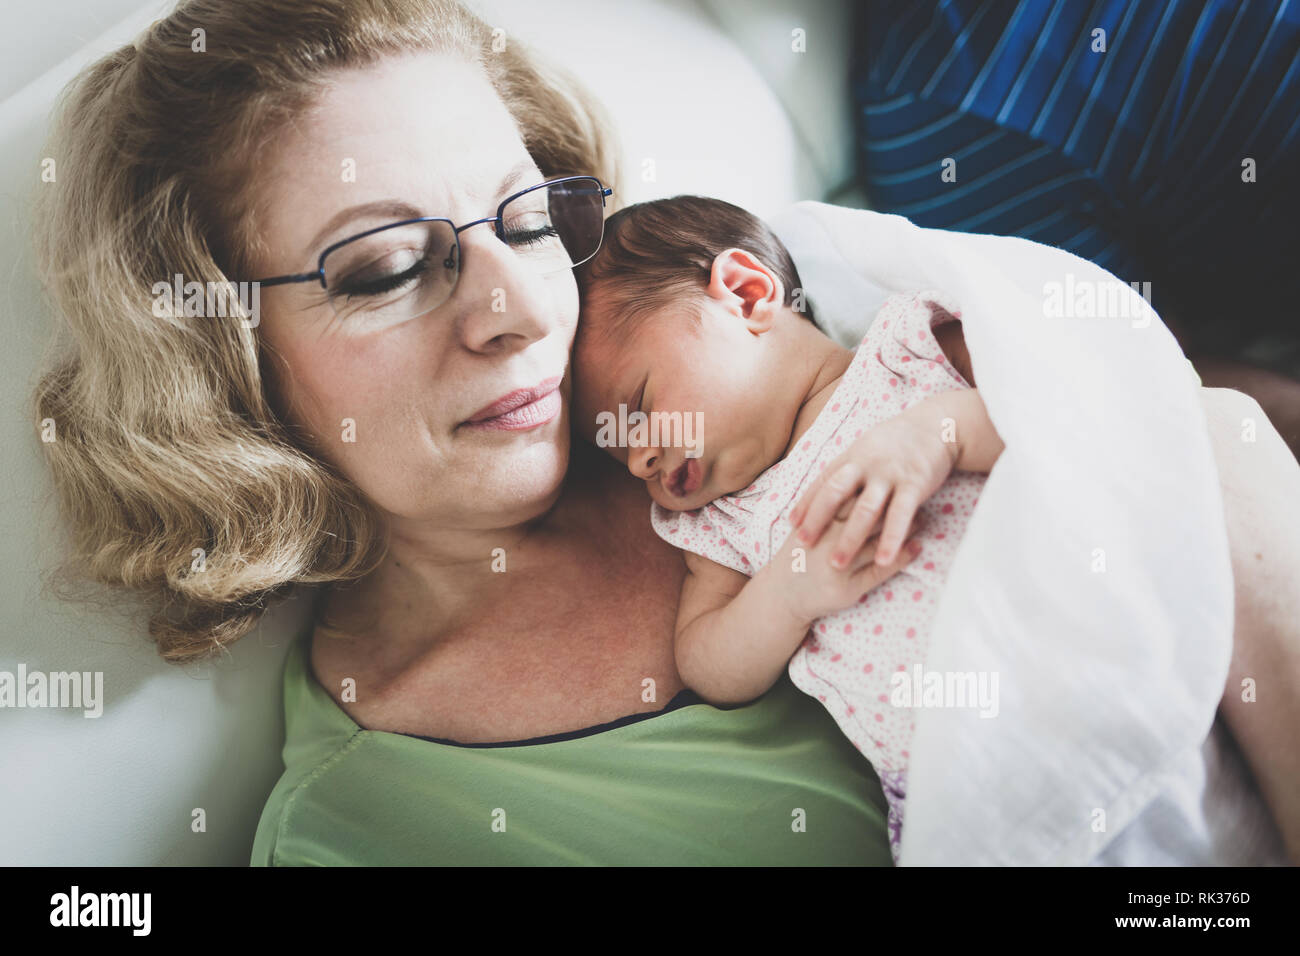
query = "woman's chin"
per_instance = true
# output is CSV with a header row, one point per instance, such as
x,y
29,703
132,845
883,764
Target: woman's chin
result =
x,y
520,481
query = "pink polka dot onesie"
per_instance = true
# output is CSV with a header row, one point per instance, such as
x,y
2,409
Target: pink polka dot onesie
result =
x,y
847,659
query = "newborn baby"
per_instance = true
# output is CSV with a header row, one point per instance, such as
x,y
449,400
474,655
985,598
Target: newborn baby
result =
x,y
698,364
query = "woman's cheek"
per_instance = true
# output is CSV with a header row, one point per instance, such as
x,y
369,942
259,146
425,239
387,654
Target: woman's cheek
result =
x,y
564,292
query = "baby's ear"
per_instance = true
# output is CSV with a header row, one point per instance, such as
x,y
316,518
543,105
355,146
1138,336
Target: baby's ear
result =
x,y
741,279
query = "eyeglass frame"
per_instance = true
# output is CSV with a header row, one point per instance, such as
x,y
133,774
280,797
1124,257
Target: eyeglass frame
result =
x,y
319,274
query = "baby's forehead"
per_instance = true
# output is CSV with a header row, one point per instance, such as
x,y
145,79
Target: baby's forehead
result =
x,y
604,358
603,365
606,330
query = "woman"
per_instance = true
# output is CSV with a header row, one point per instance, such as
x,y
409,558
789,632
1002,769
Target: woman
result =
x,y
497,589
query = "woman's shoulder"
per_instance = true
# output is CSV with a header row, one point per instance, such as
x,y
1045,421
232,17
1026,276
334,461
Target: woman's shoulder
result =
x,y
695,784
317,734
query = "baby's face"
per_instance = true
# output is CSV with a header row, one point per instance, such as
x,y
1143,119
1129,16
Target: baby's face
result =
x,y
707,428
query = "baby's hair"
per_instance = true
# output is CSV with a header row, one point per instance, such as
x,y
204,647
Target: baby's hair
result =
x,y
658,252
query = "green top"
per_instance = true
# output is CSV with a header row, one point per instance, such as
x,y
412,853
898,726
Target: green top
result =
x,y
690,785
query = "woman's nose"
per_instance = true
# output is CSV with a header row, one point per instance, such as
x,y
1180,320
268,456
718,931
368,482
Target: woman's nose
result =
x,y
503,303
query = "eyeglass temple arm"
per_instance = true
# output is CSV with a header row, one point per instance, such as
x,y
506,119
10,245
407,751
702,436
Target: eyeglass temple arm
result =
x,y
283,280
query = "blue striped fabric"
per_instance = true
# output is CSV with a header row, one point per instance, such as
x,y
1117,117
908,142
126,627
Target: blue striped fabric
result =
x,y
1130,157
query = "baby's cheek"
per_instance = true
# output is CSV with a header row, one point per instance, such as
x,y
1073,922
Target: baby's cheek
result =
x,y
599,427
588,366
585,389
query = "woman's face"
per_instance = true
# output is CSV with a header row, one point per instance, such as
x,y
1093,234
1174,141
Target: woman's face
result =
x,y
390,403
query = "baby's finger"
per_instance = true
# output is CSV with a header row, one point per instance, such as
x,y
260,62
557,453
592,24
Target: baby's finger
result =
x,y
862,520
875,574
865,558
901,511
836,486
798,512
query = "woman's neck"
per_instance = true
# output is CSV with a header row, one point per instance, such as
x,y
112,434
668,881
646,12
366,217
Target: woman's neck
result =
x,y
433,581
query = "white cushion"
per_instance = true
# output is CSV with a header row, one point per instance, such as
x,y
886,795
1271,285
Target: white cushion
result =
x,y
693,111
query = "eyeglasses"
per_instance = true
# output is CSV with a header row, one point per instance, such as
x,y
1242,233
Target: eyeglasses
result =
x,y
405,269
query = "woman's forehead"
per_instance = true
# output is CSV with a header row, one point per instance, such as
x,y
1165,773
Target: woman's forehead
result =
x,y
391,131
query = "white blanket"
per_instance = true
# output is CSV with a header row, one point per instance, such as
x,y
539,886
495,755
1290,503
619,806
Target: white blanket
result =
x,y
1094,578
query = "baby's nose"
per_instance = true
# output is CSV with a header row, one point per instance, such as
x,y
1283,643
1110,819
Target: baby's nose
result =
x,y
643,462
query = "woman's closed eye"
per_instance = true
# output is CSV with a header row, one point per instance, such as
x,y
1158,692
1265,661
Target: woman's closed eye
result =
x,y
370,282
532,237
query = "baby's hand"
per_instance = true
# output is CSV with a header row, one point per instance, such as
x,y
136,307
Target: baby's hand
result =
x,y
900,463
811,587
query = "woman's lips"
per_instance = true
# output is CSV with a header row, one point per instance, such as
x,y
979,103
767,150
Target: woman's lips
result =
x,y
685,480
522,408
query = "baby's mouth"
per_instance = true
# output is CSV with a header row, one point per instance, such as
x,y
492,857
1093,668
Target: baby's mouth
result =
x,y
685,479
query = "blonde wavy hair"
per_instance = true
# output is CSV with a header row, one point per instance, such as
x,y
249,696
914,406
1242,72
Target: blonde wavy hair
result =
x,y
165,439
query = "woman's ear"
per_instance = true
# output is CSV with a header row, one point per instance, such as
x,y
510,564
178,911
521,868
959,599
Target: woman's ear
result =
x,y
742,282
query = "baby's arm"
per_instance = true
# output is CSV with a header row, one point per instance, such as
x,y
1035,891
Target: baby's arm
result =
x,y
733,639
896,463
735,634
974,441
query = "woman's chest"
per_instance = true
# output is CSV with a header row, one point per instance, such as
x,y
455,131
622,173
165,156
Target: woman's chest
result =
x,y
585,643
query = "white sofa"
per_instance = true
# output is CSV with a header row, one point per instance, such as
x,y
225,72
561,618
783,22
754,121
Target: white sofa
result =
x,y
710,91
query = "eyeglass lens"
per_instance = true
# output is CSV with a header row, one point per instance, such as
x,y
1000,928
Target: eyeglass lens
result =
x,y
407,270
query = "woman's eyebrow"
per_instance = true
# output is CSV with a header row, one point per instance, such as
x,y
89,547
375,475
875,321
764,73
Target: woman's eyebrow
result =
x,y
513,177
398,210
389,208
